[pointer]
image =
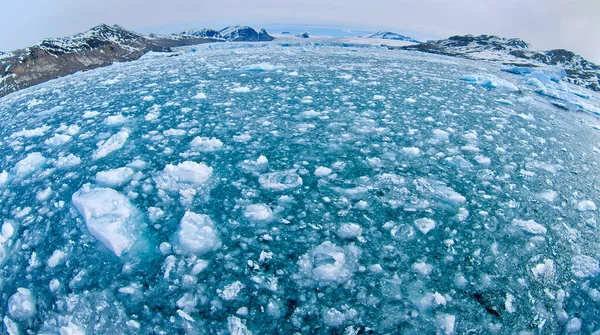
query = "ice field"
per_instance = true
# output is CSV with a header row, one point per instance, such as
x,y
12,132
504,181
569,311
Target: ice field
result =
x,y
268,188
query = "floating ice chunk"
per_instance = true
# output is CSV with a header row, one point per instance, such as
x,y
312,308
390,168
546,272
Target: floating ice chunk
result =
x,y
574,326
44,194
175,132
114,177
58,140
90,114
378,97
411,151
71,329
197,234
109,217
445,323
258,213
422,268
3,178
548,195
205,144
237,327
508,303
280,180
545,270
241,89
334,318
113,143
586,205
322,171
21,305
329,264
349,230
28,133
529,226
58,256
410,100
185,175
64,162
483,160
28,165
440,135
231,291
199,96
261,67
583,266
115,120
12,328
242,138
424,225
490,81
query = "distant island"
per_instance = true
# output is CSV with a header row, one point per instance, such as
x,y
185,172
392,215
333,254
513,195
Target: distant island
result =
x,y
103,45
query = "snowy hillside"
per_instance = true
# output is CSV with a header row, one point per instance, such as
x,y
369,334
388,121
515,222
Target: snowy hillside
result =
x,y
515,52
262,188
387,35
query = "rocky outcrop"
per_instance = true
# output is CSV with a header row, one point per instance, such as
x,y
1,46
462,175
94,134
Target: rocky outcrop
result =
x,y
245,34
100,46
514,52
52,58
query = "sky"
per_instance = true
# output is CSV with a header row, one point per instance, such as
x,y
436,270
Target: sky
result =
x,y
546,24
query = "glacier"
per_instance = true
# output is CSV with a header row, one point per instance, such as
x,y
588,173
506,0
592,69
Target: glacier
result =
x,y
306,188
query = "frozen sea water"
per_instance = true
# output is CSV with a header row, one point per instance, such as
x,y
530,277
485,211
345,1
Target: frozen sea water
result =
x,y
305,189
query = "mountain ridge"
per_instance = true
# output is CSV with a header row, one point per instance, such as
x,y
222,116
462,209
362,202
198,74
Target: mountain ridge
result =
x,y
513,52
103,45
100,46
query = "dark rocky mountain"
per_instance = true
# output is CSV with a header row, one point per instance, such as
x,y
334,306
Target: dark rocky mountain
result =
x,y
388,35
305,34
245,34
514,52
55,57
100,46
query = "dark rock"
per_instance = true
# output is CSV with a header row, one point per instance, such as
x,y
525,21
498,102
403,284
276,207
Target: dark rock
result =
x,y
305,34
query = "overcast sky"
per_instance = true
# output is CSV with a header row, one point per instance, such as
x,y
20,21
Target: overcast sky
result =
x,y
547,24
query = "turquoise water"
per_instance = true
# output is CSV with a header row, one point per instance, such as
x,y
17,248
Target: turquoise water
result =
x,y
393,197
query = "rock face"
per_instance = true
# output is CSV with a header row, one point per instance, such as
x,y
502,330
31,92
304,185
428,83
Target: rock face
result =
x,y
514,52
388,35
52,58
100,46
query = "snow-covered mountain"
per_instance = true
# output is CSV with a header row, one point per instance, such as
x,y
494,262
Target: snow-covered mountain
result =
x,y
514,52
100,46
245,34
388,35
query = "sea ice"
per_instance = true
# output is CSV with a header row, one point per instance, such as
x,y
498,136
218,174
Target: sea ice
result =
x,y
280,180
205,144
529,226
329,264
197,234
115,177
113,143
109,217
21,305
583,266
28,165
185,175
258,213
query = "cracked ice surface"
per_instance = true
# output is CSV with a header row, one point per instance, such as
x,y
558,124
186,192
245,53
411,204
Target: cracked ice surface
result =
x,y
300,189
